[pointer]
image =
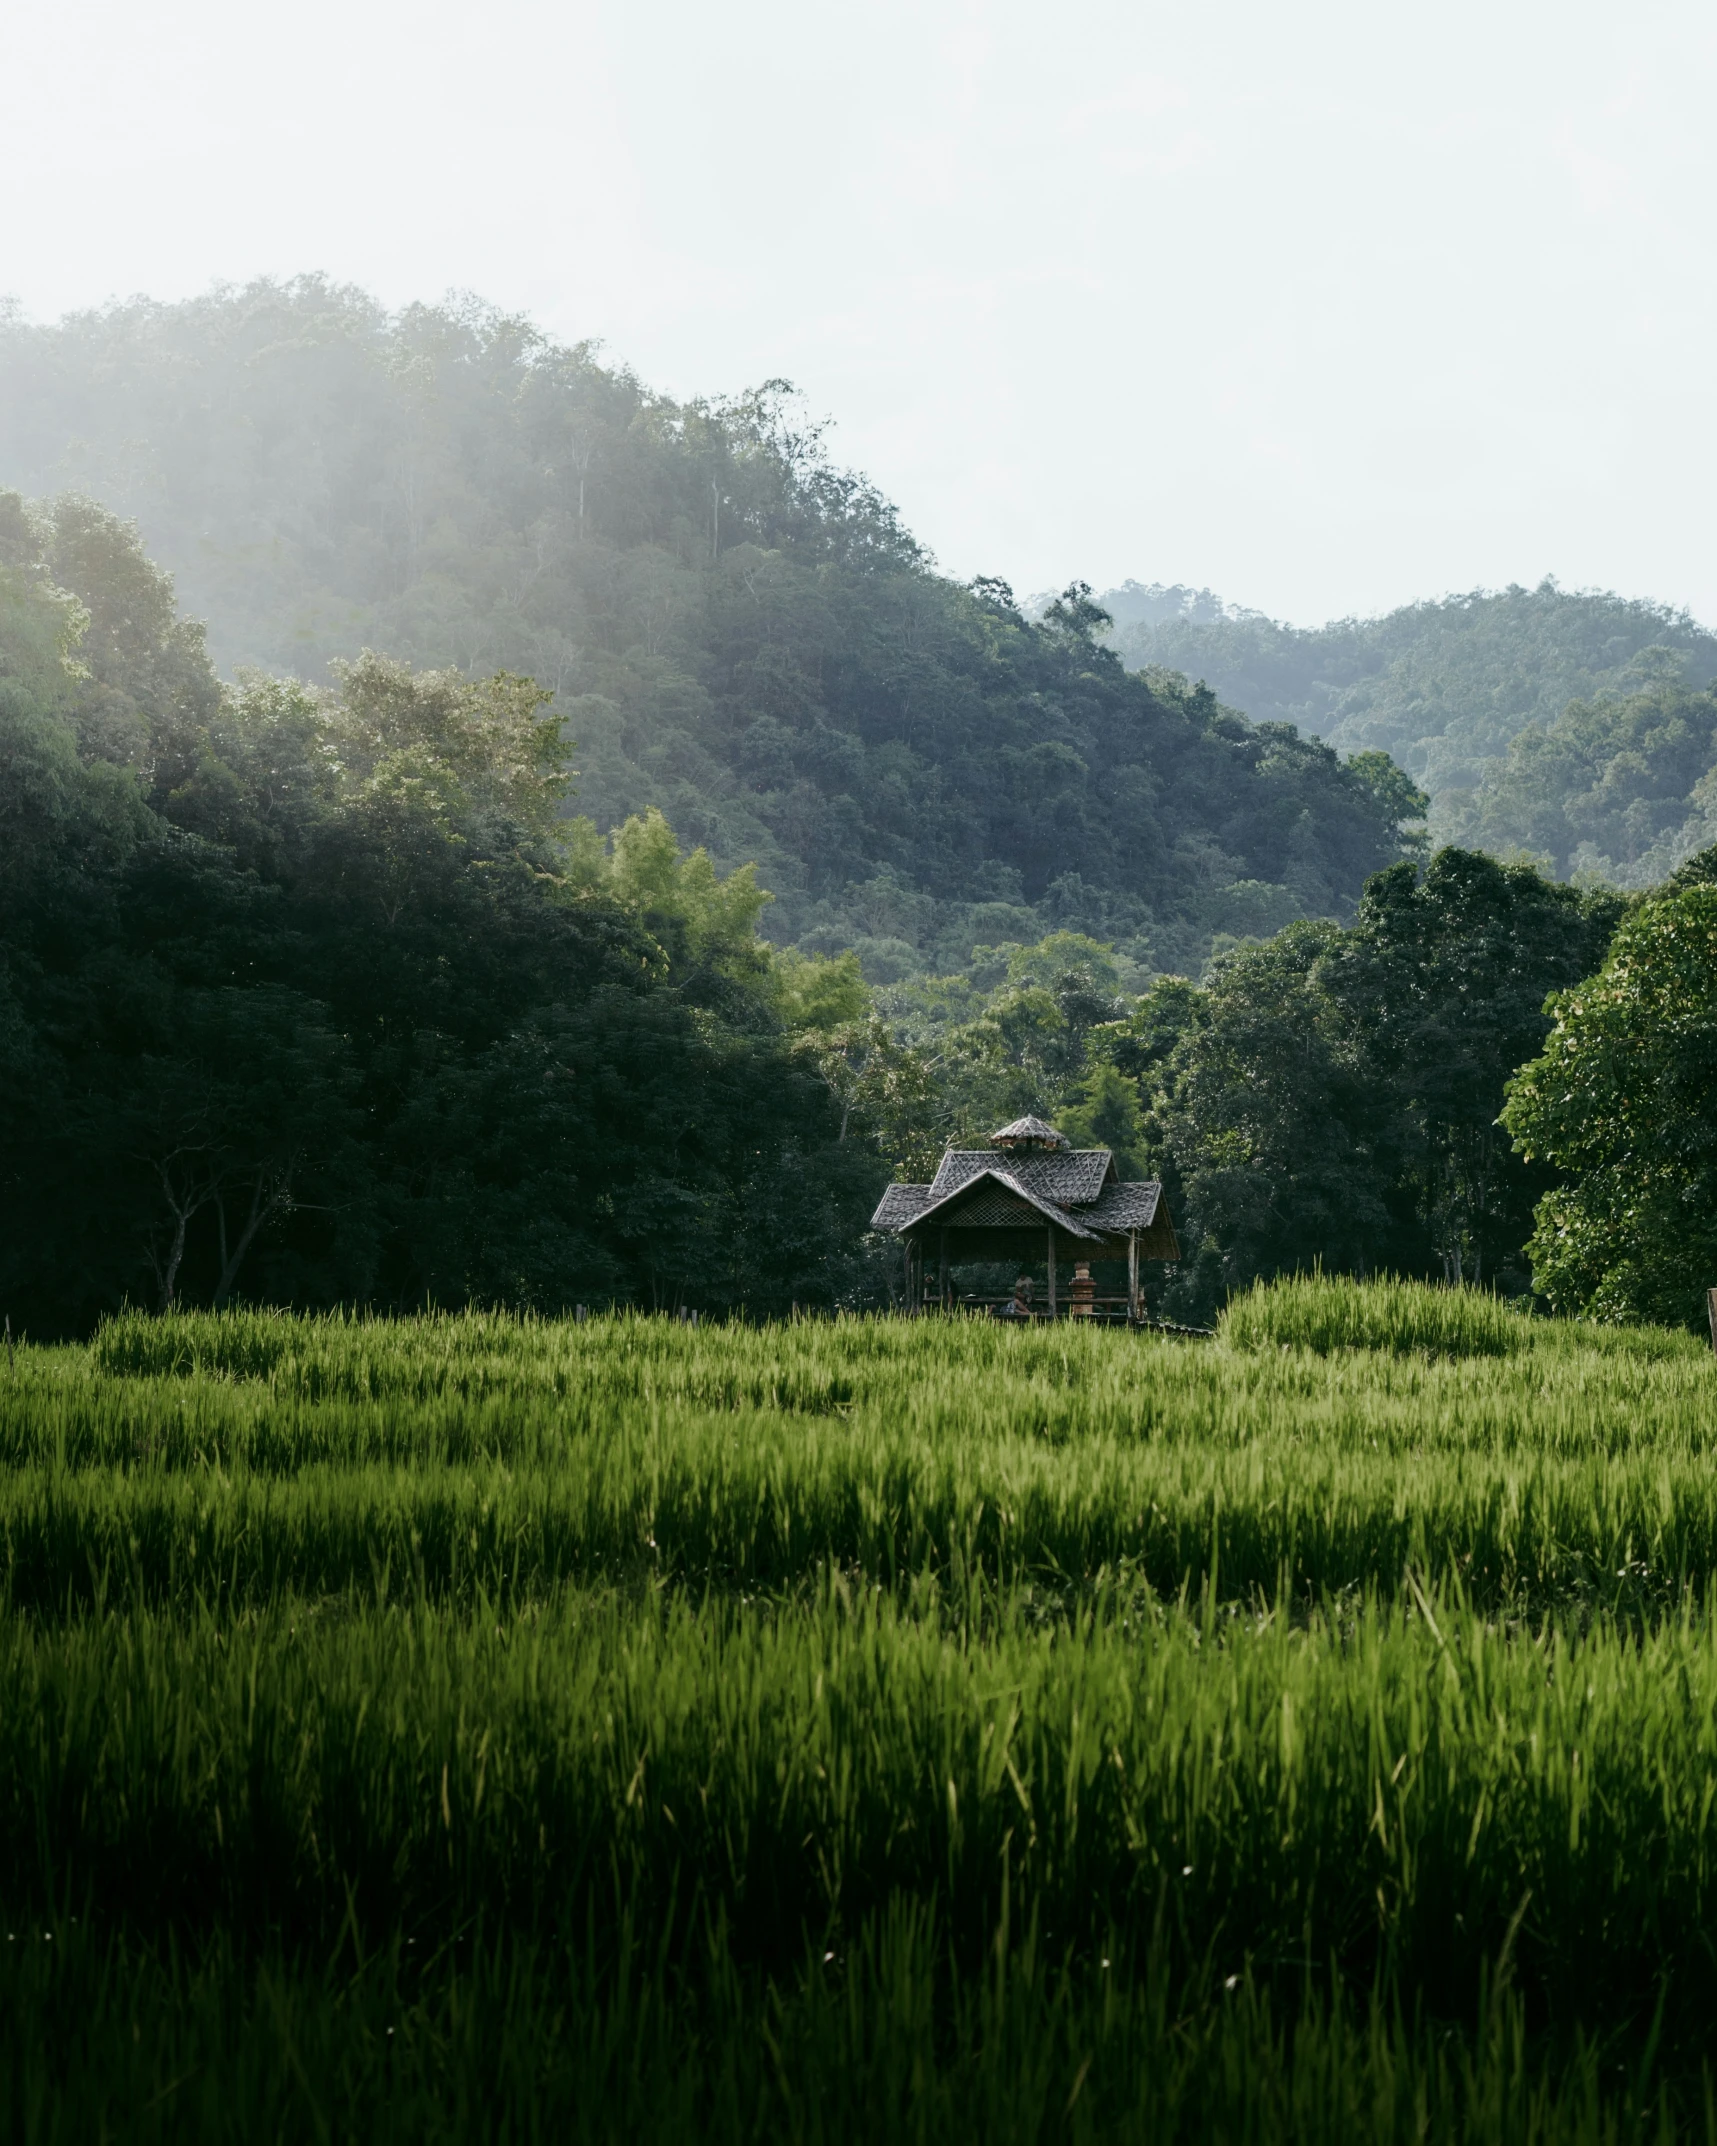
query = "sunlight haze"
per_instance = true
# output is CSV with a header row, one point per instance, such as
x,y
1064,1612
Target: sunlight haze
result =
x,y
1325,308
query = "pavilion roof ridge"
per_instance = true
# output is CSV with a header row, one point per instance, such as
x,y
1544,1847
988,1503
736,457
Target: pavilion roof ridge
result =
x,y
1051,1210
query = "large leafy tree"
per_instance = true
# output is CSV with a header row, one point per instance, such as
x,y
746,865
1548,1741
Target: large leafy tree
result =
x,y
1623,1102
1272,1123
1441,985
1331,1095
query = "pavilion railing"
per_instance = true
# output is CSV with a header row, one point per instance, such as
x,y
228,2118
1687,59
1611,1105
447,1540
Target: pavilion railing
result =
x,y
1103,1311
1103,1307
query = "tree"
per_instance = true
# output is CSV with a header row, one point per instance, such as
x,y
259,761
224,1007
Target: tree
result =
x,y
1623,1101
1075,613
886,1092
1442,982
1104,1111
1331,1095
243,1113
1271,1122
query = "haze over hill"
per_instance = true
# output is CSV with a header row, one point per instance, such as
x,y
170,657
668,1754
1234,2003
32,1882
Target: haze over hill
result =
x,y
1460,690
745,636
734,630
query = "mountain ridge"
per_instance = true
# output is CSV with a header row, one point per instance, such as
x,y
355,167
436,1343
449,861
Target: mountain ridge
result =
x,y
1444,685
736,632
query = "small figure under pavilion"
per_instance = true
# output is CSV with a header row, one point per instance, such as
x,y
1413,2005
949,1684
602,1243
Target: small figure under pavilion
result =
x,y
1029,1196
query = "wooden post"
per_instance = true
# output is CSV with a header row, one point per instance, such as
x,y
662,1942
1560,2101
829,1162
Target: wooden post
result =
x,y
942,1276
1711,1314
1052,1270
1133,1312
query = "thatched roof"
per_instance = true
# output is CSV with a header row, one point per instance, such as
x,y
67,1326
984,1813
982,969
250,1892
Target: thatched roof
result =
x,y
899,1205
1018,1205
1125,1206
1074,1191
1069,1176
1028,1133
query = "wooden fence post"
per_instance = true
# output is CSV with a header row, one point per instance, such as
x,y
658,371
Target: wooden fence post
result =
x,y
1711,1314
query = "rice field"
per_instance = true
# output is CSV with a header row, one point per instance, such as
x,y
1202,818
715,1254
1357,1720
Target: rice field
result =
x,y
482,1728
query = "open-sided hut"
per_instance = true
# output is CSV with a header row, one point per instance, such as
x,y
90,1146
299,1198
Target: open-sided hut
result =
x,y
1030,1197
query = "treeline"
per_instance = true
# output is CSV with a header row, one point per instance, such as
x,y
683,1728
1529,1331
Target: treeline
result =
x,y
1331,1097
1328,1096
311,990
312,995
1489,1078
304,997
735,632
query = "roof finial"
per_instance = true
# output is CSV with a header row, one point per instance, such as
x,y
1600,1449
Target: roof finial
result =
x,y
1028,1133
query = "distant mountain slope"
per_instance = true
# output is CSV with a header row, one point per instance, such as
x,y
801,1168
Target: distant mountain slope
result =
x,y
1620,789
1443,687
735,630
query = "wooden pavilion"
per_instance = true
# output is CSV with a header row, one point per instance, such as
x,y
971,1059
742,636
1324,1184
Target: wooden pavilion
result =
x,y
1032,1198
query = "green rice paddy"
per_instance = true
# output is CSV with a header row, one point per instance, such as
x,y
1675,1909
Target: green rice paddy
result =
x,y
479,1728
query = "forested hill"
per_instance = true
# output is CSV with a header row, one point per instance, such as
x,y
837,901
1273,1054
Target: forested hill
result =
x,y
734,630
1442,687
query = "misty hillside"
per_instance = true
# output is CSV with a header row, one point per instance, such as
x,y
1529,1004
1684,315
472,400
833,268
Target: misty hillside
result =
x,y
1443,687
735,630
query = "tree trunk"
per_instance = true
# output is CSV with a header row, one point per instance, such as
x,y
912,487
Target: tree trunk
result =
x,y
169,1277
263,1208
182,1206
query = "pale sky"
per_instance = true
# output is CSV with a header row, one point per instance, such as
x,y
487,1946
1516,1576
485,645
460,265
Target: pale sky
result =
x,y
1325,306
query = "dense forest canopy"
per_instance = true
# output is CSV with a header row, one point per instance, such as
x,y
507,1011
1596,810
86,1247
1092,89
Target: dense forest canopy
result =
x,y
1620,789
1445,688
314,993
733,631
1329,1095
386,977
311,995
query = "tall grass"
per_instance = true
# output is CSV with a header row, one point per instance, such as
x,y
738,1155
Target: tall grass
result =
x,y
1326,1312
1379,1788
772,1506
487,1727
443,1459
528,2040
